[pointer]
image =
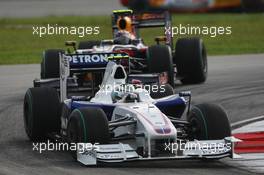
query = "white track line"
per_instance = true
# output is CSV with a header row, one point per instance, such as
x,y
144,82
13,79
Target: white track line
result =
x,y
246,122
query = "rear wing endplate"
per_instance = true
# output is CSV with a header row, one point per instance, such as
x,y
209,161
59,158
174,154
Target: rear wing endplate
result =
x,y
70,63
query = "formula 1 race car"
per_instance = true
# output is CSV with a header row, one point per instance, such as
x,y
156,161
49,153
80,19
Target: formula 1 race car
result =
x,y
194,5
123,123
188,62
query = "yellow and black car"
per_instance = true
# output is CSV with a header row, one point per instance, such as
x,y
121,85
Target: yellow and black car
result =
x,y
195,5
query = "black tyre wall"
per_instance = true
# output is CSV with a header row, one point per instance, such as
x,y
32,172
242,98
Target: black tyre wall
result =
x,y
50,64
191,60
90,125
164,91
41,112
209,122
159,59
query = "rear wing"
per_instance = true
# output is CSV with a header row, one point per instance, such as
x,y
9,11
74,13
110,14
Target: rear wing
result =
x,y
145,20
70,63
153,19
90,62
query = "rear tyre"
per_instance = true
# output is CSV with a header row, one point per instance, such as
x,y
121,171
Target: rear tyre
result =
x,y
50,64
88,44
41,112
191,60
209,122
162,91
159,59
88,125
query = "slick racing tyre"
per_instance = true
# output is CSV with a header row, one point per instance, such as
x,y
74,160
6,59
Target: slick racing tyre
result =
x,y
208,122
191,60
162,91
88,125
159,60
88,44
50,64
41,112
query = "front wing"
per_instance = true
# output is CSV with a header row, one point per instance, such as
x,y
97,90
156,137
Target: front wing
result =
x,y
124,152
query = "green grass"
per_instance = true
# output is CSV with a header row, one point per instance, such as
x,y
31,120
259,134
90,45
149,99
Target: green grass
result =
x,y
18,44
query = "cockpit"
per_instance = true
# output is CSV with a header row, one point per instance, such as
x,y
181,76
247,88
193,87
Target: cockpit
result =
x,y
125,94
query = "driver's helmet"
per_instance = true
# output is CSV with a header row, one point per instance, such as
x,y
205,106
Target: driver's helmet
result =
x,y
116,96
131,97
124,35
124,23
124,91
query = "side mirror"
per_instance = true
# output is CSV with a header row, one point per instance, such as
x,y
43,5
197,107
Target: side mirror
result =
x,y
159,39
71,44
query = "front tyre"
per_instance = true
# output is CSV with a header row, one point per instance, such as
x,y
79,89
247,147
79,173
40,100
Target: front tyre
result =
x,y
208,122
88,125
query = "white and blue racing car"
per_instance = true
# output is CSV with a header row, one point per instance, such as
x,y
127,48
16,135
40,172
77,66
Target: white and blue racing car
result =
x,y
123,122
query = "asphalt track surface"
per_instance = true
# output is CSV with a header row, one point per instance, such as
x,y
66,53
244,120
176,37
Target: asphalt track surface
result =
x,y
235,82
35,8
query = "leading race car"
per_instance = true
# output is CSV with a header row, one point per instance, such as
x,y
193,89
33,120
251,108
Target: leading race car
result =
x,y
123,123
187,62
194,5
